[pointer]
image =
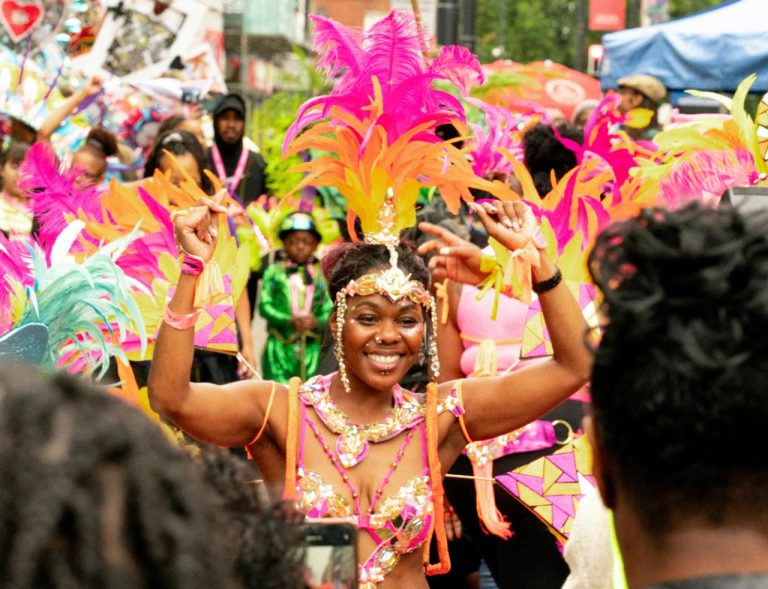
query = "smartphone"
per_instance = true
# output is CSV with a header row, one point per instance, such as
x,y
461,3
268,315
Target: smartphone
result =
x,y
330,554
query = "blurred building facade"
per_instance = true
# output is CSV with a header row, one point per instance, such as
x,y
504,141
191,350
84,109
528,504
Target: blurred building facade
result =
x,y
259,40
353,13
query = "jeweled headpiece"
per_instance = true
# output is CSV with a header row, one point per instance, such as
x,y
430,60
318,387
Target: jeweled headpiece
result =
x,y
392,282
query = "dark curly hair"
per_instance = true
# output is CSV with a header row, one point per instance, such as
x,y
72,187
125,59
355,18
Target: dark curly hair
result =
x,y
15,154
679,380
544,153
94,495
101,142
348,261
179,142
269,552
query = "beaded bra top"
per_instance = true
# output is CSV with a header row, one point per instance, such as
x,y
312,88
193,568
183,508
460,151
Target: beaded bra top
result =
x,y
398,523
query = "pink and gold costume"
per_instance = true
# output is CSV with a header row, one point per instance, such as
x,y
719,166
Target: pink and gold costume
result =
x,y
399,523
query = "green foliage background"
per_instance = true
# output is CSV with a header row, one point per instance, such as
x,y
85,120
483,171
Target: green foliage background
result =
x,y
273,117
532,30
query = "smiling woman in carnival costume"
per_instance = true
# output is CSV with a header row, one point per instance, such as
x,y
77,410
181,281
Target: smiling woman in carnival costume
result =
x,y
354,444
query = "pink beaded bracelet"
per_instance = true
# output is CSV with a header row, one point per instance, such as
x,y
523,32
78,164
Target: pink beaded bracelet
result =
x,y
192,265
180,321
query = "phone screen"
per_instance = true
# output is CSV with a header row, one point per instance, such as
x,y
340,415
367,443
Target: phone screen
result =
x,y
330,557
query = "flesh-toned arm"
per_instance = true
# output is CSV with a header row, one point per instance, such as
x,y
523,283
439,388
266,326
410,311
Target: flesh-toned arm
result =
x,y
65,108
497,405
227,415
449,346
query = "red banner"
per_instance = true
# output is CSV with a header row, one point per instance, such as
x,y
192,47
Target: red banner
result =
x,y
607,15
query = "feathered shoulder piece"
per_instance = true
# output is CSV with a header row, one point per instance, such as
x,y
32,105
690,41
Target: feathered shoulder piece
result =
x,y
377,128
55,194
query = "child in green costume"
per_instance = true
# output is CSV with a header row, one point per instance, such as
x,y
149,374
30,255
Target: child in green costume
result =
x,y
294,302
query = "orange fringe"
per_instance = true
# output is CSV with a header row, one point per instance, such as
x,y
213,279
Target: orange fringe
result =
x,y
491,519
292,440
436,481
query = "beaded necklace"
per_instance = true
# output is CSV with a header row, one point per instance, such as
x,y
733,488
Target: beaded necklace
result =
x,y
353,441
343,473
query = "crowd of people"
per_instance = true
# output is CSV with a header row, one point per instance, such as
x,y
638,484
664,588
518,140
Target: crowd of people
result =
x,y
445,340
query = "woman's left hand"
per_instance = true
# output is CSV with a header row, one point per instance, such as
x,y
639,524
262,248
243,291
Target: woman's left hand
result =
x,y
511,223
454,258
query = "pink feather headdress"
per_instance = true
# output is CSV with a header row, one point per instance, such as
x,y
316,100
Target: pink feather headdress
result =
x,y
377,127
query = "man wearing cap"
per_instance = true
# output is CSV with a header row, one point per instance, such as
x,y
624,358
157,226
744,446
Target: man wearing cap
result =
x,y
294,302
642,91
243,170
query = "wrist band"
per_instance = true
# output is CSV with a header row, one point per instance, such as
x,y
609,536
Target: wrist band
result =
x,y
549,283
192,265
180,321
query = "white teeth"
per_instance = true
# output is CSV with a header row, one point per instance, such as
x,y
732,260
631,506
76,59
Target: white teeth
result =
x,y
380,359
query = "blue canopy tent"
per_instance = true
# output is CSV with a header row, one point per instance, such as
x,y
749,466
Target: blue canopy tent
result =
x,y
711,50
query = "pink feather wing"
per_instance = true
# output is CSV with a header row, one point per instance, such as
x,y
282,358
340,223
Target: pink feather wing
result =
x,y
459,66
339,48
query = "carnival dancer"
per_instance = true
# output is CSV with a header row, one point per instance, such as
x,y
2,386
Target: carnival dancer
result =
x,y
333,442
179,155
517,547
294,302
91,158
242,170
354,443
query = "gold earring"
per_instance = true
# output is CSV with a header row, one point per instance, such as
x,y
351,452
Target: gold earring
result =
x,y
434,360
341,311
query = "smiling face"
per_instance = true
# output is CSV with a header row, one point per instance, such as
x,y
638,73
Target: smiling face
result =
x,y
382,340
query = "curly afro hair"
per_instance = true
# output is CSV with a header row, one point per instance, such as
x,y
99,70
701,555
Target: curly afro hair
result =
x,y
94,495
679,381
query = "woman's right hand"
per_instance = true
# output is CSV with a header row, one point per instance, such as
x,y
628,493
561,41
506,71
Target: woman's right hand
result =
x,y
195,227
455,258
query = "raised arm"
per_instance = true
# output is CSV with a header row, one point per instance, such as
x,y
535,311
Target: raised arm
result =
x,y
227,415
65,108
497,405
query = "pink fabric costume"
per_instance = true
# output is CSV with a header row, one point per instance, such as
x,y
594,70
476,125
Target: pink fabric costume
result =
x,y
492,347
480,335
398,523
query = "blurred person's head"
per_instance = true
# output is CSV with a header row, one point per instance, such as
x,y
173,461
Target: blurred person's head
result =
x,y
94,495
91,158
179,122
300,237
582,111
544,153
9,168
22,132
640,91
229,120
268,551
679,387
188,153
